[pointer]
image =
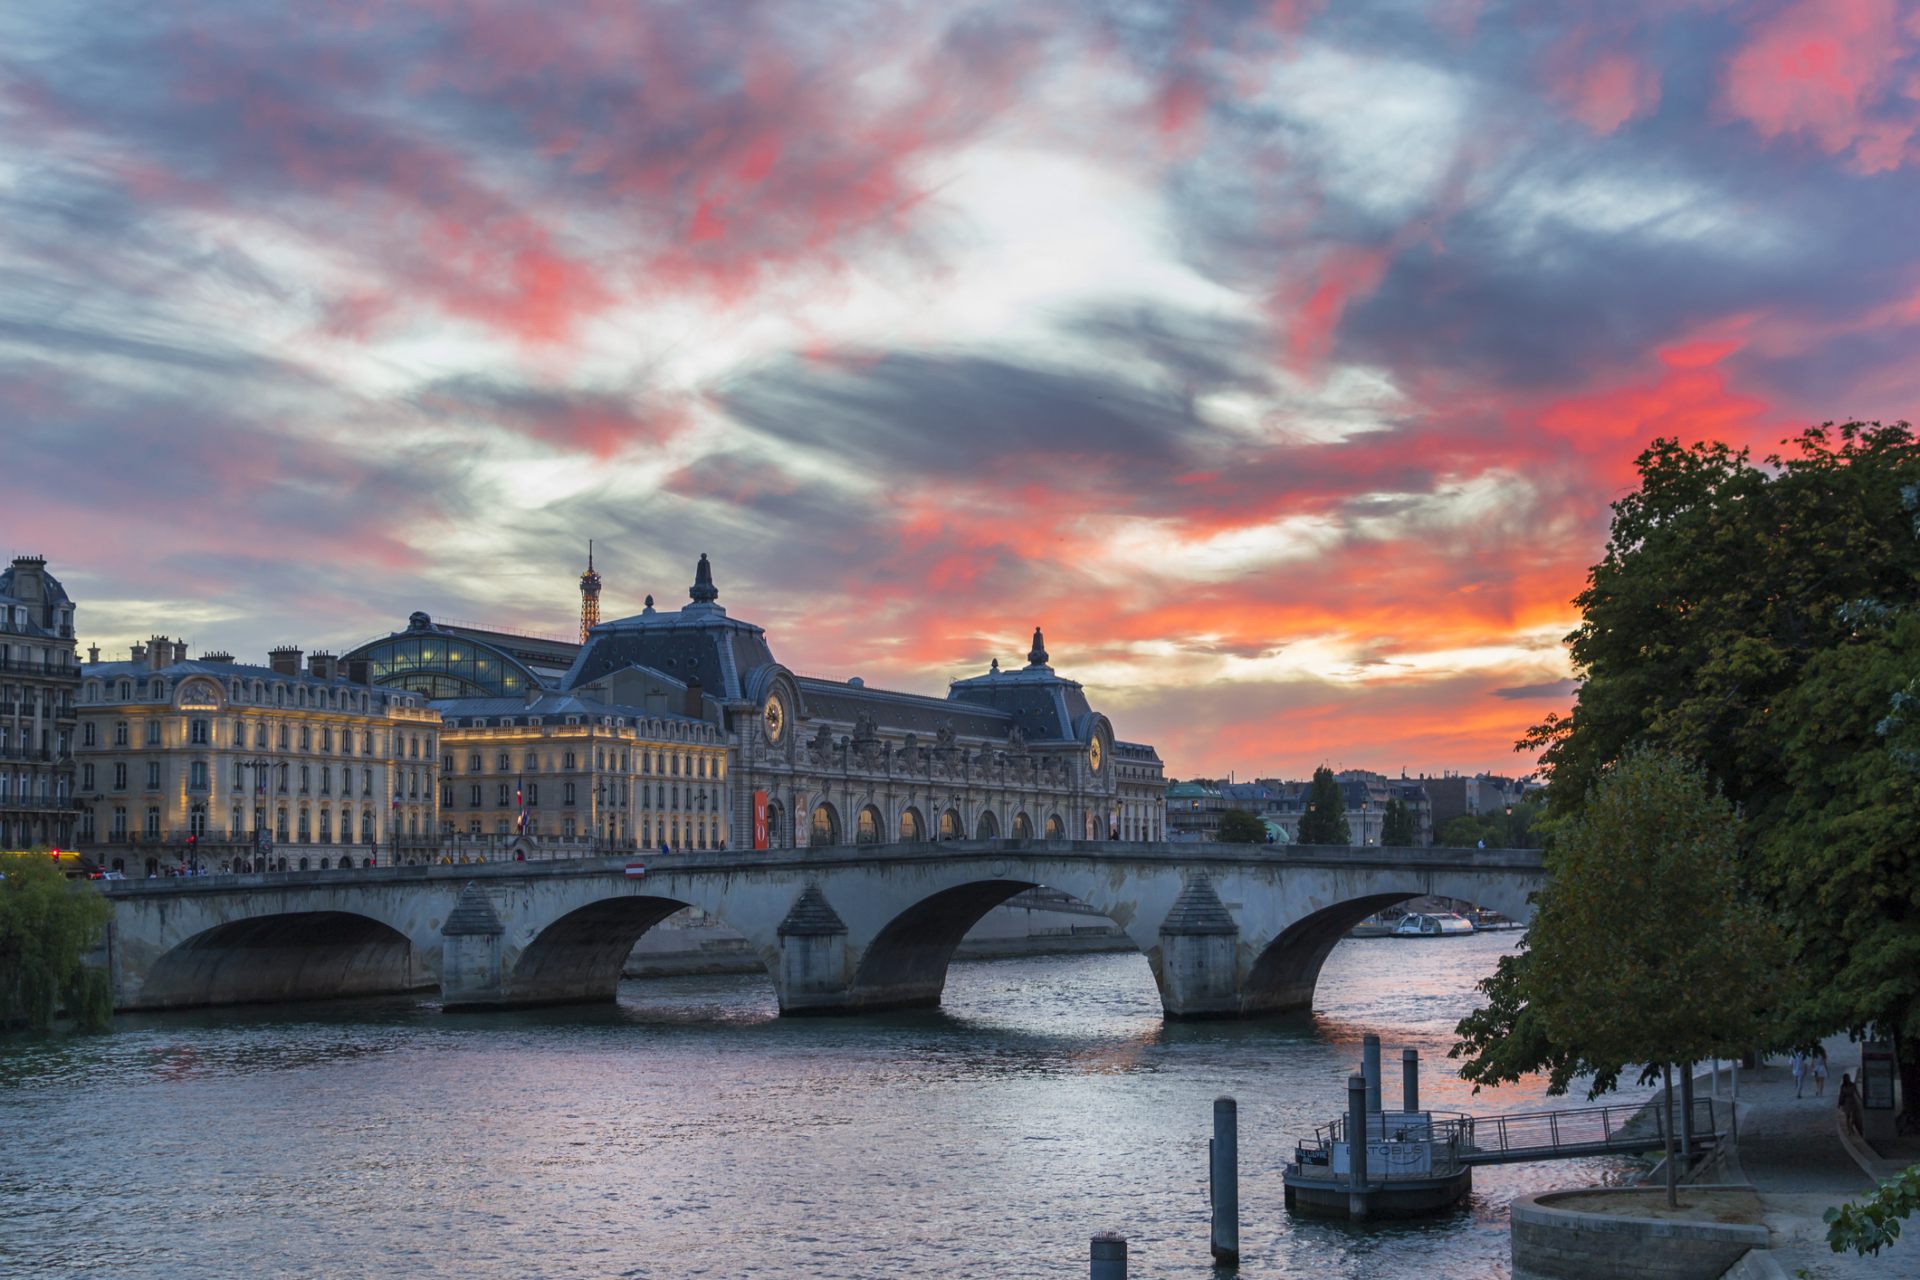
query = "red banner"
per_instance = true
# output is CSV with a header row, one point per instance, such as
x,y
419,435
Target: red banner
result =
x,y
759,819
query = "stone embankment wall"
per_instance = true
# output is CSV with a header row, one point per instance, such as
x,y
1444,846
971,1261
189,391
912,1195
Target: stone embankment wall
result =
x,y
1551,1243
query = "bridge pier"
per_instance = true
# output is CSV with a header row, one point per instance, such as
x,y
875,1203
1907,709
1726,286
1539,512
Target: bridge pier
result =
x,y
471,972
1199,955
814,974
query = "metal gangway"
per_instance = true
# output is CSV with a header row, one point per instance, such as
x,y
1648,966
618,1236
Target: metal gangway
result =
x,y
1621,1128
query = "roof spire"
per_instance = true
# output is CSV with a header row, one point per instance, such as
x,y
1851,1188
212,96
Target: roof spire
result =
x,y
1037,656
703,591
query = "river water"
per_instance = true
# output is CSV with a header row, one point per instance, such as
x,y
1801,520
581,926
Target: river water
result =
x,y
689,1131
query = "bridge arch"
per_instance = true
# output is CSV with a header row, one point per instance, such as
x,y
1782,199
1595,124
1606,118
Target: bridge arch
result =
x,y
1283,976
579,956
905,965
293,955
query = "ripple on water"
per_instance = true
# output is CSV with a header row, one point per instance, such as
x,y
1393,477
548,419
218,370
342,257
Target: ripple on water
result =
x,y
689,1131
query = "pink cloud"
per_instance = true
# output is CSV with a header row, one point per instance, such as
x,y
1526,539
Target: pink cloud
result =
x,y
1841,73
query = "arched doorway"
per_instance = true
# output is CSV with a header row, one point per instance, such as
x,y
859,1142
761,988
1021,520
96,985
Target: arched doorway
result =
x,y
777,833
826,826
950,827
912,826
988,827
1022,827
1055,831
870,828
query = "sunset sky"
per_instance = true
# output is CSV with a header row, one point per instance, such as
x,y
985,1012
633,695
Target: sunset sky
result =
x,y
1280,359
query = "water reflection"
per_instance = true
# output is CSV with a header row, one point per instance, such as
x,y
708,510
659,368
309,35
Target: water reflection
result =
x,y
690,1131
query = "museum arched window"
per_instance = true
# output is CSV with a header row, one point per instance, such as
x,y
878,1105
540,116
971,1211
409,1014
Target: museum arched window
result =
x,y
1055,829
950,828
912,826
871,827
988,828
1022,827
826,826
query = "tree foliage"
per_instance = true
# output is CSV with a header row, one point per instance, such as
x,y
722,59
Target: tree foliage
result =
x,y
1397,829
1499,830
46,926
1325,819
1867,1226
1237,826
1646,947
1757,618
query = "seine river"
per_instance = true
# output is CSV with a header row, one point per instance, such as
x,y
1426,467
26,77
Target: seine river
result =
x,y
689,1131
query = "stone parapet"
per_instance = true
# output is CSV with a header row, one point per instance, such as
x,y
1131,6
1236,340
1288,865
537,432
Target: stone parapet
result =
x,y
1553,1243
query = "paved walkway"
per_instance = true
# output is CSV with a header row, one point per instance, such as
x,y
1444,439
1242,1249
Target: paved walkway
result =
x,y
1790,1149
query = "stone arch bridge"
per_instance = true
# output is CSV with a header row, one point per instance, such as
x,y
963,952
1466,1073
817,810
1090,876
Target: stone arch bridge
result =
x,y
1229,930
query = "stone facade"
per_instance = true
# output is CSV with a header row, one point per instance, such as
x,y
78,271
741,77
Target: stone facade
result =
x,y
213,760
582,772
38,680
819,762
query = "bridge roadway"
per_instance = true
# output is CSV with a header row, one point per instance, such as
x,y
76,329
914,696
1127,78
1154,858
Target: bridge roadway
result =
x,y
1229,930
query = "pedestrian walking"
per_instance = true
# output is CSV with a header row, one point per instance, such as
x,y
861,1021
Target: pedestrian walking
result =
x,y
1820,1071
1850,1102
1797,1066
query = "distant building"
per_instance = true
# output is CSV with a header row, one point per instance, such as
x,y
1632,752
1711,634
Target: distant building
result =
x,y
561,767
806,761
1482,794
1193,811
38,681
210,759
1140,780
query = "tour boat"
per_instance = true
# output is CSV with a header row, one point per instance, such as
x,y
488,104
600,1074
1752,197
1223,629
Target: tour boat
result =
x,y
1438,924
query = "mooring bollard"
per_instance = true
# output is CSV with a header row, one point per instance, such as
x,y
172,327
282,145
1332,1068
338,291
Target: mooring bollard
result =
x,y
1410,1080
1357,1146
1223,1168
1108,1257
1370,1068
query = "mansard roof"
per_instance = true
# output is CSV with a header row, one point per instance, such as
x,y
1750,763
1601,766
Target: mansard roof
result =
x,y
175,672
730,660
548,707
902,712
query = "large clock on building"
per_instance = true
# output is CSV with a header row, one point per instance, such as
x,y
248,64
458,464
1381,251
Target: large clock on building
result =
x,y
775,716
1095,753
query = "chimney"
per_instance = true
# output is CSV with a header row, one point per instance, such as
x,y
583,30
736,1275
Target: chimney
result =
x,y
139,653
180,651
360,671
159,653
29,579
93,654
284,660
322,665
216,655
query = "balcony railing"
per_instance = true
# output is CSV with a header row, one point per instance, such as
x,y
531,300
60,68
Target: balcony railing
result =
x,y
13,666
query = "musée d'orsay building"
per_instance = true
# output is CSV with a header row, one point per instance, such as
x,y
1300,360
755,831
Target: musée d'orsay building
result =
x,y
667,728
683,728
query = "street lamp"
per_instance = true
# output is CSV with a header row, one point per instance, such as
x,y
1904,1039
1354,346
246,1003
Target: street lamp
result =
x,y
1509,826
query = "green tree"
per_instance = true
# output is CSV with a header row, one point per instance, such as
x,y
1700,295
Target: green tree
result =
x,y
1325,821
1869,1225
1754,618
1470,829
46,925
1237,826
1396,824
1646,946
